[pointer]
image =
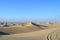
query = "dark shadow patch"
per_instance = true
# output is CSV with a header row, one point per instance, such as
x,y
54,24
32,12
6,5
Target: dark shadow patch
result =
x,y
6,25
3,33
40,26
36,24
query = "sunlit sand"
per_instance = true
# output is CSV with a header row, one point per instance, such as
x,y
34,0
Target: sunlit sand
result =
x,y
31,31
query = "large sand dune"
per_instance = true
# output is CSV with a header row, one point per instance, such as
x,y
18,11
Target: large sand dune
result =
x,y
20,28
51,33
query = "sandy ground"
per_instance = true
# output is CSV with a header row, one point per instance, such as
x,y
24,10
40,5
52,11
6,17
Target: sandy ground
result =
x,y
47,34
37,35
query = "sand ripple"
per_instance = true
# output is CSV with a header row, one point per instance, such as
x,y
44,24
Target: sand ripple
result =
x,y
54,35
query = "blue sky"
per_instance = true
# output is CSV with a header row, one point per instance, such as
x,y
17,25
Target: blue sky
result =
x,y
20,10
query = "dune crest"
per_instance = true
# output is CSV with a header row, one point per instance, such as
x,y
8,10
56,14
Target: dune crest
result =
x,y
29,24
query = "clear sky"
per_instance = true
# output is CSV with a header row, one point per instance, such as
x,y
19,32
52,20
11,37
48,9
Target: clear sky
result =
x,y
13,10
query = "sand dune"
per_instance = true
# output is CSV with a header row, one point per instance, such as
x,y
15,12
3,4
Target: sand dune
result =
x,y
51,33
18,28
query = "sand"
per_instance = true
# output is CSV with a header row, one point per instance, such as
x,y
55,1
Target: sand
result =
x,y
51,33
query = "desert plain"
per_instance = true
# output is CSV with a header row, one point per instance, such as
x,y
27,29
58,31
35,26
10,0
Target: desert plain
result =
x,y
30,31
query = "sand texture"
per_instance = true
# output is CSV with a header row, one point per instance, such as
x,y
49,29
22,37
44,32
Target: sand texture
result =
x,y
31,31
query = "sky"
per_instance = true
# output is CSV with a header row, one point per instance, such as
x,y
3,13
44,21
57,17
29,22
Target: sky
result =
x,y
29,10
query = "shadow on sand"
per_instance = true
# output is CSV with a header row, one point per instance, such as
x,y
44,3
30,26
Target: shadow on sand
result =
x,y
3,33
